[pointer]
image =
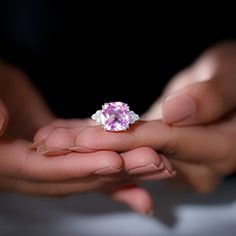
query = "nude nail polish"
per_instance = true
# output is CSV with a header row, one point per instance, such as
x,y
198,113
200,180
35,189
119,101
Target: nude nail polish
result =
x,y
55,152
107,170
146,169
164,174
178,108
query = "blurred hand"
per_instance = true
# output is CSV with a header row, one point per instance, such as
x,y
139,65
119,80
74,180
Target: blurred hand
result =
x,y
199,130
59,140
20,105
203,94
22,112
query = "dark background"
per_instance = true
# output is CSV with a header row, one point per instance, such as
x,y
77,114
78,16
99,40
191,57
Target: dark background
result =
x,y
81,57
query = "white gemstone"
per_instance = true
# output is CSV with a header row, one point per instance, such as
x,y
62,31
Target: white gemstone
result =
x,y
97,116
133,117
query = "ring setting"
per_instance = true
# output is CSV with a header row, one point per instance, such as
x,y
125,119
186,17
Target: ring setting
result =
x,y
115,116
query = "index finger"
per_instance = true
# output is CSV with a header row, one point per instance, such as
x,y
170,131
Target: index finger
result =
x,y
19,161
196,143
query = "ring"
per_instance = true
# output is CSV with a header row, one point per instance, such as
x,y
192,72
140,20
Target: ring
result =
x,y
115,116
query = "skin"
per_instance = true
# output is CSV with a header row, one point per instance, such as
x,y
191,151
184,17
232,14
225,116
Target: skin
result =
x,y
31,169
201,145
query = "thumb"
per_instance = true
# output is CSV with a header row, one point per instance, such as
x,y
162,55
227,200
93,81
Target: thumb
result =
x,y
200,103
3,117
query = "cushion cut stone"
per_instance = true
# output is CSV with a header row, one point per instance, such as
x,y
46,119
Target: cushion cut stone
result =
x,y
115,116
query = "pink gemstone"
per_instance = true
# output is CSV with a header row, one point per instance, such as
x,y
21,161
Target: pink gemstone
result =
x,y
115,116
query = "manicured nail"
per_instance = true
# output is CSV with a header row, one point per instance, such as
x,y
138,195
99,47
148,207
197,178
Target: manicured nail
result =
x,y
80,149
36,144
55,152
41,149
107,170
164,174
178,108
146,169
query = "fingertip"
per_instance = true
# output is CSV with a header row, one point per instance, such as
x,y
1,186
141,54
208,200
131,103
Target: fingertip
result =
x,y
178,109
136,198
142,160
60,138
43,133
198,103
110,160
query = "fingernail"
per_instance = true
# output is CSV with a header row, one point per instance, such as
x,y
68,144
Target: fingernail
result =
x,y
54,152
41,149
80,149
178,108
146,169
35,145
107,170
158,176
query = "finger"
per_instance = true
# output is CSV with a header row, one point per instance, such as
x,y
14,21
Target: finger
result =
x,y
61,123
199,103
135,197
41,135
3,117
180,80
200,178
205,101
57,137
61,141
19,161
198,144
145,163
57,189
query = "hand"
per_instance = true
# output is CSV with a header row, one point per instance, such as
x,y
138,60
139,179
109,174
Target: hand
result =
x,y
58,140
21,106
201,143
25,170
22,112
201,94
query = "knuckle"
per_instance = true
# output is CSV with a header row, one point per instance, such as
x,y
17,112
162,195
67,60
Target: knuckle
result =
x,y
172,143
87,139
211,90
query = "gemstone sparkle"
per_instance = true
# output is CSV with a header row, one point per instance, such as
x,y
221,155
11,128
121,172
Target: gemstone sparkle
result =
x,y
115,116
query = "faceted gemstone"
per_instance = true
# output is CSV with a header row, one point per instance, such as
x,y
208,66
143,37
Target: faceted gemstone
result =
x,y
115,116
